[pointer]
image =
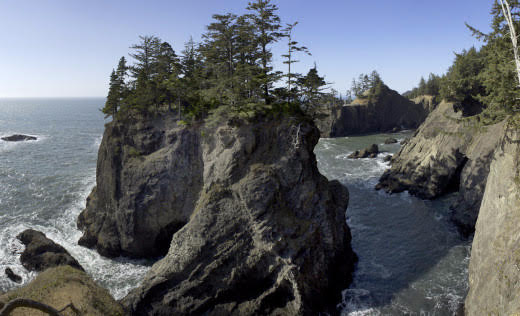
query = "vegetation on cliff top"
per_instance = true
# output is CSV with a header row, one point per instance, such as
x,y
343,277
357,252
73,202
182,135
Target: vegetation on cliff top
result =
x,y
482,78
231,69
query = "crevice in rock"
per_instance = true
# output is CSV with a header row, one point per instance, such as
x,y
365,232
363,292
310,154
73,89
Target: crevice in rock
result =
x,y
454,181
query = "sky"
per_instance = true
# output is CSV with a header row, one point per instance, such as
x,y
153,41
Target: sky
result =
x,y
67,48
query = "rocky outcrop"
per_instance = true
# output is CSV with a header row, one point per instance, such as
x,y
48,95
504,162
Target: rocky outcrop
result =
x,y
447,153
64,288
148,179
18,138
13,276
391,140
383,111
42,253
369,152
256,228
494,271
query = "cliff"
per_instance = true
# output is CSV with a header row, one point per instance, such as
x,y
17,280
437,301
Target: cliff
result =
x,y
381,110
494,272
446,154
256,228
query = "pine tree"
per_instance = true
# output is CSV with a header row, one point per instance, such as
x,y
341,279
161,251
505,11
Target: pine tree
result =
x,y
289,57
312,86
267,31
112,102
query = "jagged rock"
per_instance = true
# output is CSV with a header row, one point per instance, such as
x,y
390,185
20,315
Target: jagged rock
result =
x,y
260,231
445,155
494,273
390,141
405,141
18,138
42,253
369,152
60,286
384,111
387,158
13,276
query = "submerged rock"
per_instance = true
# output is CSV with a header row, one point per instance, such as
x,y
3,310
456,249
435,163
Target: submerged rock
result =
x,y
18,138
369,152
391,141
13,276
256,228
494,273
446,154
42,253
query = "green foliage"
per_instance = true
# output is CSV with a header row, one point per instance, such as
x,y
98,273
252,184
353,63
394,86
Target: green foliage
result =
x,y
230,71
366,84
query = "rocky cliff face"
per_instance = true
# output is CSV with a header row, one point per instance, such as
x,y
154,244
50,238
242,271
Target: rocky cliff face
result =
x,y
256,228
148,179
382,112
494,272
446,154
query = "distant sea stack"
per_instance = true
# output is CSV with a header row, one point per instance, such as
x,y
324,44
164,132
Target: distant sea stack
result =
x,y
447,153
254,227
378,110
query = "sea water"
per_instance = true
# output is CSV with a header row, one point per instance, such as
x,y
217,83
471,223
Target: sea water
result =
x,y
44,184
412,260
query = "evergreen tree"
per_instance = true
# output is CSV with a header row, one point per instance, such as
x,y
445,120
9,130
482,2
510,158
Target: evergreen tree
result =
x,y
267,31
312,86
112,102
145,56
289,57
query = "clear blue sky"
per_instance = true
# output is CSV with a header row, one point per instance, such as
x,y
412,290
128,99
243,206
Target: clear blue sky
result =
x,y
67,48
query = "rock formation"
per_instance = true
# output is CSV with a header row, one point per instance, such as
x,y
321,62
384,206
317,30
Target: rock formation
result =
x,y
369,152
18,138
42,253
13,276
494,272
384,111
447,153
64,288
256,228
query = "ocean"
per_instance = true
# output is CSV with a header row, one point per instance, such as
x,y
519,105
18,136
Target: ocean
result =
x,y
411,258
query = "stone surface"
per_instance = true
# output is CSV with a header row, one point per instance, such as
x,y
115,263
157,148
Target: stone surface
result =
x,y
42,253
148,179
18,138
61,286
447,153
387,158
390,140
387,111
266,236
369,152
494,271
13,276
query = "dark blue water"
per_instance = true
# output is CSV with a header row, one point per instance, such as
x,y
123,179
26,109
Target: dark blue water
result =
x,y
44,183
412,260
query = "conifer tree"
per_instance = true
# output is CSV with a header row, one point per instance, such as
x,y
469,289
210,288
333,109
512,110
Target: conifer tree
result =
x,y
289,57
267,28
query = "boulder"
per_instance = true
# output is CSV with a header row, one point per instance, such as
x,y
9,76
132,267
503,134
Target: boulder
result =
x,y
18,138
255,229
387,158
13,276
369,152
42,253
391,141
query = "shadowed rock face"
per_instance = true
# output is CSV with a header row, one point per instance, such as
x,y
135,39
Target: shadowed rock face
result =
x,y
494,272
18,138
42,253
257,229
149,176
384,112
446,155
